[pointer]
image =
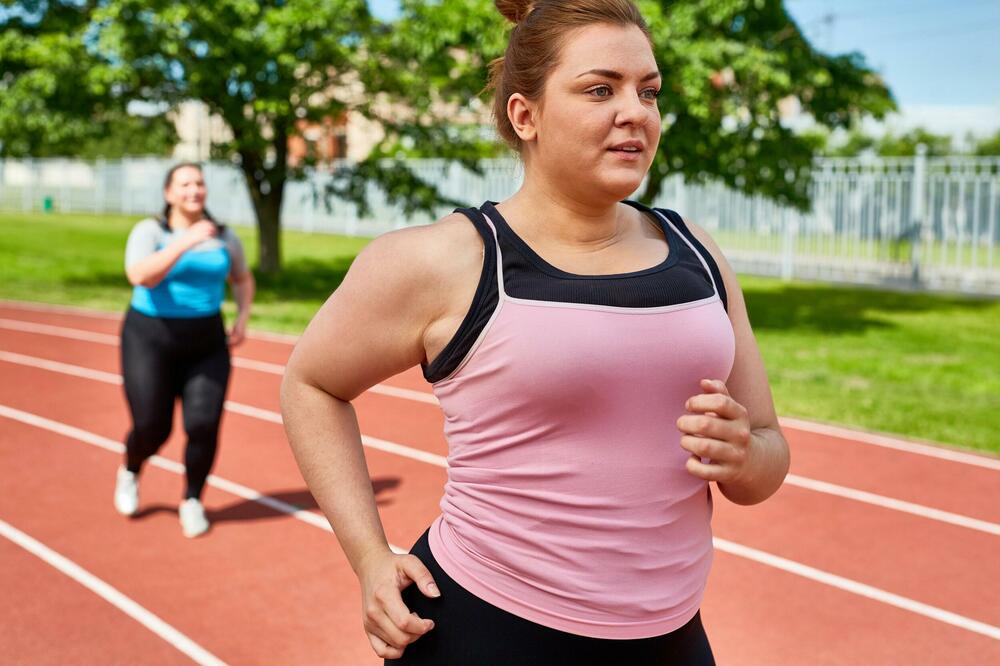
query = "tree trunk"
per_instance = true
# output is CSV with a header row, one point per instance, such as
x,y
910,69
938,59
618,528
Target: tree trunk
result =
x,y
268,208
267,189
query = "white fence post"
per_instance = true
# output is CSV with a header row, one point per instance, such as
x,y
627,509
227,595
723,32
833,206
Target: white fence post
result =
x,y
790,232
918,212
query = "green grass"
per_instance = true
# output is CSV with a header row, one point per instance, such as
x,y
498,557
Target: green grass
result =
x,y
921,365
934,253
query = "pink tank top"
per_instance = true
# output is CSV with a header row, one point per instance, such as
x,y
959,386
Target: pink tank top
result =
x,y
567,501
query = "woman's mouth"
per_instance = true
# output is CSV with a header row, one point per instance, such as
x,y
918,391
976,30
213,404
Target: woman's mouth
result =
x,y
629,151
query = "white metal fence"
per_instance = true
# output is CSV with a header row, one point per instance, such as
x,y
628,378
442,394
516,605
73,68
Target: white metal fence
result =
x,y
930,223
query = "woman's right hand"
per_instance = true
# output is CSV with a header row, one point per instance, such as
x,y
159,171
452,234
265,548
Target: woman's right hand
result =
x,y
388,622
198,232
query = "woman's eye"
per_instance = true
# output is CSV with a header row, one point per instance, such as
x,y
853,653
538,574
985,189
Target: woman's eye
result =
x,y
650,93
600,91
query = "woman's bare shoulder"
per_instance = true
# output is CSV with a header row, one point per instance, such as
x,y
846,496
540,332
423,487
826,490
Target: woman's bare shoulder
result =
x,y
399,285
431,254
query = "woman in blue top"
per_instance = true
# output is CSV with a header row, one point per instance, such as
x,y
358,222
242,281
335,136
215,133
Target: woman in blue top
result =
x,y
174,343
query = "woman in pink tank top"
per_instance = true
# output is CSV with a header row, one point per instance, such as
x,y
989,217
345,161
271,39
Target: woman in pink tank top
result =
x,y
597,372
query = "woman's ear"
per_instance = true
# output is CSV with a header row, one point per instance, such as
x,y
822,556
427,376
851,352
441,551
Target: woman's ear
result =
x,y
523,115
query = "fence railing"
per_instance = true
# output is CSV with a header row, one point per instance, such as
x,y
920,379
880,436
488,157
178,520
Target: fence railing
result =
x,y
926,223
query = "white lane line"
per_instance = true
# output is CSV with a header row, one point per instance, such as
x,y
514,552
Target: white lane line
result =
x,y
174,467
761,557
874,439
259,366
854,587
238,361
894,504
284,338
110,594
32,306
407,394
370,442
441,461
813,427
58,331
404,451
64,368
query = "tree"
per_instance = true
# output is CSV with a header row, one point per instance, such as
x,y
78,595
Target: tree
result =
x,y
123,135
856,143
260,65
54,92
728,65
905,145
889,144
989,147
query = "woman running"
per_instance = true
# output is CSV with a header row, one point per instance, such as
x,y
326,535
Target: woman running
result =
x,y
174,343
596,369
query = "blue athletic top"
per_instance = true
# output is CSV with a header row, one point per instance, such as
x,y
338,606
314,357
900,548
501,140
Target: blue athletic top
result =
x,y
196,285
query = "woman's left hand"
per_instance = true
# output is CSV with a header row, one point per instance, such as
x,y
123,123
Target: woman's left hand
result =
x,y
238,333
716,428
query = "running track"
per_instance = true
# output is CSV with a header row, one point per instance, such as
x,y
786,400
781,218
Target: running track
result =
x,y
876,551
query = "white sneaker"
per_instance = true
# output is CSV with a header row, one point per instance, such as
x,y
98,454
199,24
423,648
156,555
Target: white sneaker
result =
x,y
126,492
193,520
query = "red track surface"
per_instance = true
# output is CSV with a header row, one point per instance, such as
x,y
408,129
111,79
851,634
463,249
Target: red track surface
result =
x,y
266,588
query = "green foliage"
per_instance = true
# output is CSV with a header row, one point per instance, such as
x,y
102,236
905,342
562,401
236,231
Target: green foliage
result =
x,y
726,65
54,91
124,135
890,144
905,145
857,142
262,65
988,147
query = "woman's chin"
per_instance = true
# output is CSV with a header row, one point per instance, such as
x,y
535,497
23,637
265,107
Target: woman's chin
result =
x,y
618,187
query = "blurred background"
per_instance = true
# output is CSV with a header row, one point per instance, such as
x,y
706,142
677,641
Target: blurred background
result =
x,y
826,144
845,155
830,145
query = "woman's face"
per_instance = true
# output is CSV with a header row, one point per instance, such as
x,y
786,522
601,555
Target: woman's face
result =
x,y
597,127
186,191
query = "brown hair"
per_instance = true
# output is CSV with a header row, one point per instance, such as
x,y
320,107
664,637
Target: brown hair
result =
x,y
534,45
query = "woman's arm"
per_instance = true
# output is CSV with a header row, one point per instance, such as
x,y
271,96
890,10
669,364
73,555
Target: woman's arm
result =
x,y
150,270
371,328
242,283
733,422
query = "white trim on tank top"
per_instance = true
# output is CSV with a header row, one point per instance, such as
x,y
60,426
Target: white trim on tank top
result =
x,y
504,297
606,308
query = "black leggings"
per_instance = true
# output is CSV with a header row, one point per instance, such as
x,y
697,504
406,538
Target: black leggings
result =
x,y
163,359
471,632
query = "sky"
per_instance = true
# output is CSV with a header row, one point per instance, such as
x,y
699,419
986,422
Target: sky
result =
x,y
940,59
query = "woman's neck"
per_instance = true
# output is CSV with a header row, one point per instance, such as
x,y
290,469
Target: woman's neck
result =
x,y
552,215
179,220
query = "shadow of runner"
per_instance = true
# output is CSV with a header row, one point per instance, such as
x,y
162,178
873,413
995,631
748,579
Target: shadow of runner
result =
x,y
301,499
250,510
153,509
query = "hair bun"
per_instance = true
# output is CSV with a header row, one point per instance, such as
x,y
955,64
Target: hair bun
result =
x,y
515,10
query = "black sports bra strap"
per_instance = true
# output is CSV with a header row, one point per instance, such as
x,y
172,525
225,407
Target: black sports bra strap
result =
x,y
484,302
476,217
713,266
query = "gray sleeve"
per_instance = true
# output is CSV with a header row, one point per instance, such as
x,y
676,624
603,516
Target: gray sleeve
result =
x,y
237,258
143,241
